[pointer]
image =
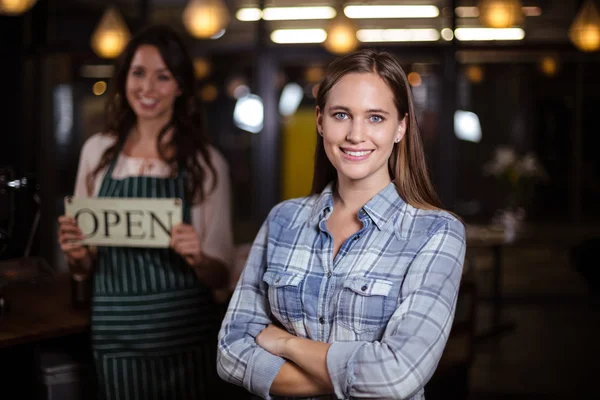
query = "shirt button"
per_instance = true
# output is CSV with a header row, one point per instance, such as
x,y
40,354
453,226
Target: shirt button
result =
x,y
329,274
362,212
321,320
364,287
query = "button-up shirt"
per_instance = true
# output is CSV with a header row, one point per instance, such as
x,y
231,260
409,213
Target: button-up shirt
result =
x,y
385,302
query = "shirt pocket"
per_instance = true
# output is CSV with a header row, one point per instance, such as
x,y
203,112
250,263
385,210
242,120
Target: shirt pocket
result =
x,y
365,304
284,295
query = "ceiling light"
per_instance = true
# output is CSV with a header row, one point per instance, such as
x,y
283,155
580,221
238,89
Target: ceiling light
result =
x,y
405,11
486,34
288,36
398,35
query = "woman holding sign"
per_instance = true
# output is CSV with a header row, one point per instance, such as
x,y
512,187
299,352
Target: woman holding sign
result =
x,y
154,320
350,292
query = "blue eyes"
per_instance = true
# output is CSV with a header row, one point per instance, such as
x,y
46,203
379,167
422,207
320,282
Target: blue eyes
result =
x,y
343,116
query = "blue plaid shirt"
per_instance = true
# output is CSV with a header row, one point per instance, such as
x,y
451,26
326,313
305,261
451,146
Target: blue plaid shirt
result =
x,y
385,303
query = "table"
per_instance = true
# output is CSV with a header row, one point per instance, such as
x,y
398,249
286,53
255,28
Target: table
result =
x,y
494,238
41,311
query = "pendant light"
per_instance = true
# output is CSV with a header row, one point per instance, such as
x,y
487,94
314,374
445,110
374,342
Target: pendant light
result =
x,y
111,35
500,13
205,18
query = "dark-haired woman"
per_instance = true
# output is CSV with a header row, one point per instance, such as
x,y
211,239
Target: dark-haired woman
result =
x,y
154,320
350,292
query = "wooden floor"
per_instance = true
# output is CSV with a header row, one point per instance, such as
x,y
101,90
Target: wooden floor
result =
x,y
554,350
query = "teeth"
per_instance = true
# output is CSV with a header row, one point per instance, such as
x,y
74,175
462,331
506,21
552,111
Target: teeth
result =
x,y
148,102
357,153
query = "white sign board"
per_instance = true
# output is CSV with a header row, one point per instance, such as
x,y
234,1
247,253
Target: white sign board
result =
x,y
126,222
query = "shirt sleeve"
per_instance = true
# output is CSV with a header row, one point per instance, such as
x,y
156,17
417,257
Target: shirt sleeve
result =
x,y
239,359
88,159
212,218
412,344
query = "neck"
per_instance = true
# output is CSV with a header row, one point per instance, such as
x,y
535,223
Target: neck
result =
x,y
352,195
148,130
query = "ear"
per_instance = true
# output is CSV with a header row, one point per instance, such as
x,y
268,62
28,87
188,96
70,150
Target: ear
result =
x,y
319,116
402,128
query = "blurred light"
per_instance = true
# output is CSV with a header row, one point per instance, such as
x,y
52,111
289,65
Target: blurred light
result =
x,y
205,18
467,126
99,88
414,79
398,35
500,13
474,74
447,34
201,67
585,30
241,91
314,74
15,7
391,11
466,34
63,113
97,71
549,66
248,14
209,93
473,12
290,99
285,13
467,12
531,11
219,34
288,36
248,113
297,13
341,36
111,35
237,87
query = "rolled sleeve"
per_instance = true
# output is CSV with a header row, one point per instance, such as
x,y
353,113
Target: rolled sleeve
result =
x,y
239,359
400,365
261,371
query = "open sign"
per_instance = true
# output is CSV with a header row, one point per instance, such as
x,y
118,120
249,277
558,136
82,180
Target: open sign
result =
x,y
126,222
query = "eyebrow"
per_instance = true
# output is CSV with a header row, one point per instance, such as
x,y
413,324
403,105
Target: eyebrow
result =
x,y
370,110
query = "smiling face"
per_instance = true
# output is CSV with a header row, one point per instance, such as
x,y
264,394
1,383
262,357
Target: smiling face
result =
x,y
151,89
360,126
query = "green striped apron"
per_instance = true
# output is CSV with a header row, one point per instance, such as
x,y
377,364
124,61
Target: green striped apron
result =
x,y
154,325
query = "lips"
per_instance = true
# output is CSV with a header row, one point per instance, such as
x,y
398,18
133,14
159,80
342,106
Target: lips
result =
x,y
356,154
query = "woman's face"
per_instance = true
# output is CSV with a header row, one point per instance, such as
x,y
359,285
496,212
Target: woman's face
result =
x,y
360,125
151,89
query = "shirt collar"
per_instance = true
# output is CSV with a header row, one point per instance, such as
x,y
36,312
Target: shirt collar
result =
x,y
383,206
324,202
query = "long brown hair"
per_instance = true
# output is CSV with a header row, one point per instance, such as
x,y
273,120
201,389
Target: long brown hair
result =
x,y
189,138
407,165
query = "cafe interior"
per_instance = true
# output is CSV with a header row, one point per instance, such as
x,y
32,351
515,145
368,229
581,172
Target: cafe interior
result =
x,y
505,93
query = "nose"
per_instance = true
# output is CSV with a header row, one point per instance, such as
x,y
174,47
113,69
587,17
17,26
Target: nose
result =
x,y
356,134
147,85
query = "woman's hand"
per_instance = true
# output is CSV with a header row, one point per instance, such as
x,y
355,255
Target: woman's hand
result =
x,y
274,340
185,242
69,238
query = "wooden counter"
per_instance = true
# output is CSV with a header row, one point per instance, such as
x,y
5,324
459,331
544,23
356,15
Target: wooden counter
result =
x,y
41,311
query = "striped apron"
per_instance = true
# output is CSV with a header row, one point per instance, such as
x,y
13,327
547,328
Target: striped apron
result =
x,y
154,325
